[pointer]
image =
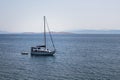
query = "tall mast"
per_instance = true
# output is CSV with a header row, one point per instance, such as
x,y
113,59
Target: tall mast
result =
x,y
44,33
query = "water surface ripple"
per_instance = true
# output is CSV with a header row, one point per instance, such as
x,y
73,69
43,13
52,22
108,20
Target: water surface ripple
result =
x,y
78,57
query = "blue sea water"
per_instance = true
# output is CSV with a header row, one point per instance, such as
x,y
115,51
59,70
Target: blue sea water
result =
x,y
78,57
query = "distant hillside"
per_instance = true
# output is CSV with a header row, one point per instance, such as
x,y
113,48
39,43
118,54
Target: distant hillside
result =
x,y
62,33
47,32
97,31
71,32
29,33
4,32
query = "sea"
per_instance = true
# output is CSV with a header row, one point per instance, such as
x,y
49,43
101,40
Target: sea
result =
x,y
78,57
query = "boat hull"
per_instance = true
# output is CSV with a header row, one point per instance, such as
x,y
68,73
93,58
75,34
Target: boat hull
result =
x,y
43,53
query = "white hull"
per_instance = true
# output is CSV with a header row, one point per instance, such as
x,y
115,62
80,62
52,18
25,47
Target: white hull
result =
x,y
43,53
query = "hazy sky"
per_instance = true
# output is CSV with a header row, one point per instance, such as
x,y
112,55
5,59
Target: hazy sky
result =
x,y
62,15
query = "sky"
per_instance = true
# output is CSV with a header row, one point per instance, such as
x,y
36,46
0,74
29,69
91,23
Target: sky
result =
x,y
62,15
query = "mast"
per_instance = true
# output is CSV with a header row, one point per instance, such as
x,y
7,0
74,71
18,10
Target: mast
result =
x,y
44,33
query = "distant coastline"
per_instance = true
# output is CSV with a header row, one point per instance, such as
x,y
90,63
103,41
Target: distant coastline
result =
x,y
70,32
97,31
5,32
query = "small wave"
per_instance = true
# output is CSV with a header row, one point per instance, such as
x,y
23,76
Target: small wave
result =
x,y
4,43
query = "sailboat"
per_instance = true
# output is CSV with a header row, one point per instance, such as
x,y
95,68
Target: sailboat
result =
x,y
42,50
